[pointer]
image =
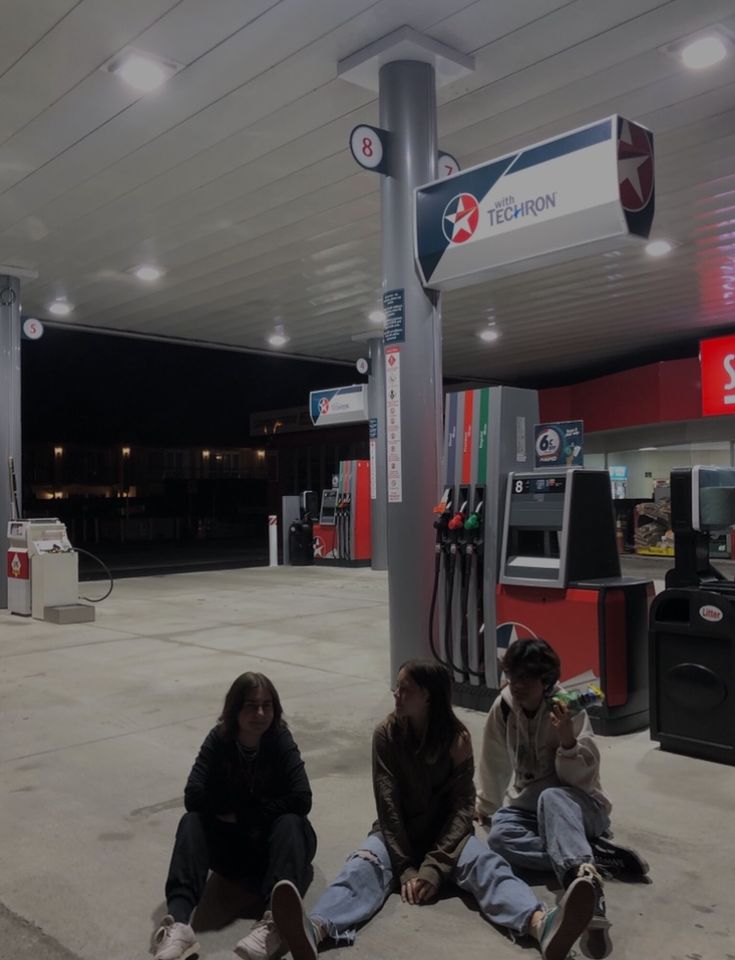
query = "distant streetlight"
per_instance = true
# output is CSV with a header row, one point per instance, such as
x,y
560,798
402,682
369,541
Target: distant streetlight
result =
x,y
126,451
58,451
205,454
260,454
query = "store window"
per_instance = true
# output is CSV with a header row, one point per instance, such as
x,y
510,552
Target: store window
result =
x,y
640,481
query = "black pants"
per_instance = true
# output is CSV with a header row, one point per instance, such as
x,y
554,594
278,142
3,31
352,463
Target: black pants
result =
x,y
206,843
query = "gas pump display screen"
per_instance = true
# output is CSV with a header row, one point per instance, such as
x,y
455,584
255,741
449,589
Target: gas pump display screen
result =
x,y
329,507
536,485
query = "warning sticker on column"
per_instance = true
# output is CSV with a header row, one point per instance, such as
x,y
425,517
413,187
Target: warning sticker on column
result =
x,y
393,423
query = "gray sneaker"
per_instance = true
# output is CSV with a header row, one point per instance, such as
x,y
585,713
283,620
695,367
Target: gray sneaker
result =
x,y
174,940
294,926
563,924
263,942
595,942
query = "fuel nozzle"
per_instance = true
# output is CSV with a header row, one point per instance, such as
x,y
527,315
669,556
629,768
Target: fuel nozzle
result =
x,y
442,516
445,504
458,520
473,521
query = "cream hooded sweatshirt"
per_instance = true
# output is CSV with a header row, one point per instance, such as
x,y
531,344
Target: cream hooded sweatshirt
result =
x,y
521,757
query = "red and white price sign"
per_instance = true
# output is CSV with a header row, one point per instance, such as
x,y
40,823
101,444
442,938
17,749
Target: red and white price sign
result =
x,y
446,165
369,147
32,329
717,361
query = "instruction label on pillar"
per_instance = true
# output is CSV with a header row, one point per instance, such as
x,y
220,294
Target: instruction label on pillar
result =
x,y
393,422
521,454
373,435
395,316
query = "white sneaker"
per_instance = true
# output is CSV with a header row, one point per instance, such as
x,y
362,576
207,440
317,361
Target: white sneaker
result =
x,y
174,941
263,942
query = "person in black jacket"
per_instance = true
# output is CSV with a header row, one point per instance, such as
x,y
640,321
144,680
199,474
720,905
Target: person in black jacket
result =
x,y
247,800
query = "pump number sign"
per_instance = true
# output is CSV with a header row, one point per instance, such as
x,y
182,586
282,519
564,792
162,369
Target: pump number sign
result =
x,y
369,147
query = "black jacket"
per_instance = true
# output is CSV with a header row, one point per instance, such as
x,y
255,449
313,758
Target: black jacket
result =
x,y
257,791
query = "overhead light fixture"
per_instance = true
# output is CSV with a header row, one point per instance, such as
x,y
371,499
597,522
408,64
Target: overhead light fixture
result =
x,y
60,307
704,52
148,272
659,248
646,449
278,338
141,71
376,316
490,335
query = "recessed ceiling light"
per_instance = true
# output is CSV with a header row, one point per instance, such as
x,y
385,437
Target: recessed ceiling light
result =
x,y
659,248
141,71
60,307
376,316
703,52
278,338
148,273
490,335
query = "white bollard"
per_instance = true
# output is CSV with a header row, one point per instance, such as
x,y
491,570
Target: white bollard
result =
x,y
272,540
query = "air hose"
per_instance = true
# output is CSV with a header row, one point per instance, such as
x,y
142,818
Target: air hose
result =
x,y
107,572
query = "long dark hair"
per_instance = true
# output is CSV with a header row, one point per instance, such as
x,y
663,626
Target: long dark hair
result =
x,y
443,726
236,697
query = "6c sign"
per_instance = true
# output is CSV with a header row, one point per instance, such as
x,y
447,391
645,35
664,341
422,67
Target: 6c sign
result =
x,y
717,362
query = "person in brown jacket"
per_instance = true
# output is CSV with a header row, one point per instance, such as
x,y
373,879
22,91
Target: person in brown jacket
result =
x,y
424,836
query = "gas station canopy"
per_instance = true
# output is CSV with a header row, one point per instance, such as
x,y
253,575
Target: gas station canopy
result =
x,y
234,178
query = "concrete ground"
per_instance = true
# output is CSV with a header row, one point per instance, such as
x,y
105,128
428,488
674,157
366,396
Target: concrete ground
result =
x,y
99,725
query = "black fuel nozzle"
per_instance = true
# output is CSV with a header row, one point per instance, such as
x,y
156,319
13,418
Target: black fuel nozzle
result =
x,y
442,516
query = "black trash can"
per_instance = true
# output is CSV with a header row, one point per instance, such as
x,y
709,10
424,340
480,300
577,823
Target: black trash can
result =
x,y
692,671
300,543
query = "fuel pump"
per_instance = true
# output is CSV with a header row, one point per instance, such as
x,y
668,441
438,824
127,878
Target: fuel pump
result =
x,y
347,526
454,619
339,529
442,516
473,601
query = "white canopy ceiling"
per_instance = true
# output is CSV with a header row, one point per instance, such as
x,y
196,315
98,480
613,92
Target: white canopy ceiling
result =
x,y
236,179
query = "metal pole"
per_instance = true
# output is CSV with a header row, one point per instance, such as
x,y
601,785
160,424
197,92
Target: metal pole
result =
x,y
408,113
10,435
272,540
376,410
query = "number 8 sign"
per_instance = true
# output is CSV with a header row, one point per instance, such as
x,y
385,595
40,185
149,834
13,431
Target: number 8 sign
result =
x,y
368,146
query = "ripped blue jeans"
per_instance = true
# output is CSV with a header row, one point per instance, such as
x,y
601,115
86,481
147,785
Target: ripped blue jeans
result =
x,y
366,880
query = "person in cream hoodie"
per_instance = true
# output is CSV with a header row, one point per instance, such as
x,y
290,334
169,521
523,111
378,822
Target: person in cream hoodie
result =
x,y
539,785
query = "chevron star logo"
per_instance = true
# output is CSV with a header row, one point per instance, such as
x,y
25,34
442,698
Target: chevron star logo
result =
x,y
460,218
635,167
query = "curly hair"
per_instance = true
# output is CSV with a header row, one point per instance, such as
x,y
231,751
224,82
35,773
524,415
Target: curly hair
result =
x,y
532,658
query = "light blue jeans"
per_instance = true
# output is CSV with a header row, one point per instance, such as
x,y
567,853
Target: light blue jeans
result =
x,y
556,837
364,884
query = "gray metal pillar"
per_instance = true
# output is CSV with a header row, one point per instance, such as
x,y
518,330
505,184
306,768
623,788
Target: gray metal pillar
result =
x,y
408,113
10,438
376,410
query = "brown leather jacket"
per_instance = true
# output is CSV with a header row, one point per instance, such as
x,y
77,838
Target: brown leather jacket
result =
x,y
424,810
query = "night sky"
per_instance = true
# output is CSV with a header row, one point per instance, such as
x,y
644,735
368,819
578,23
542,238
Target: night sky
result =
x,y
84,387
